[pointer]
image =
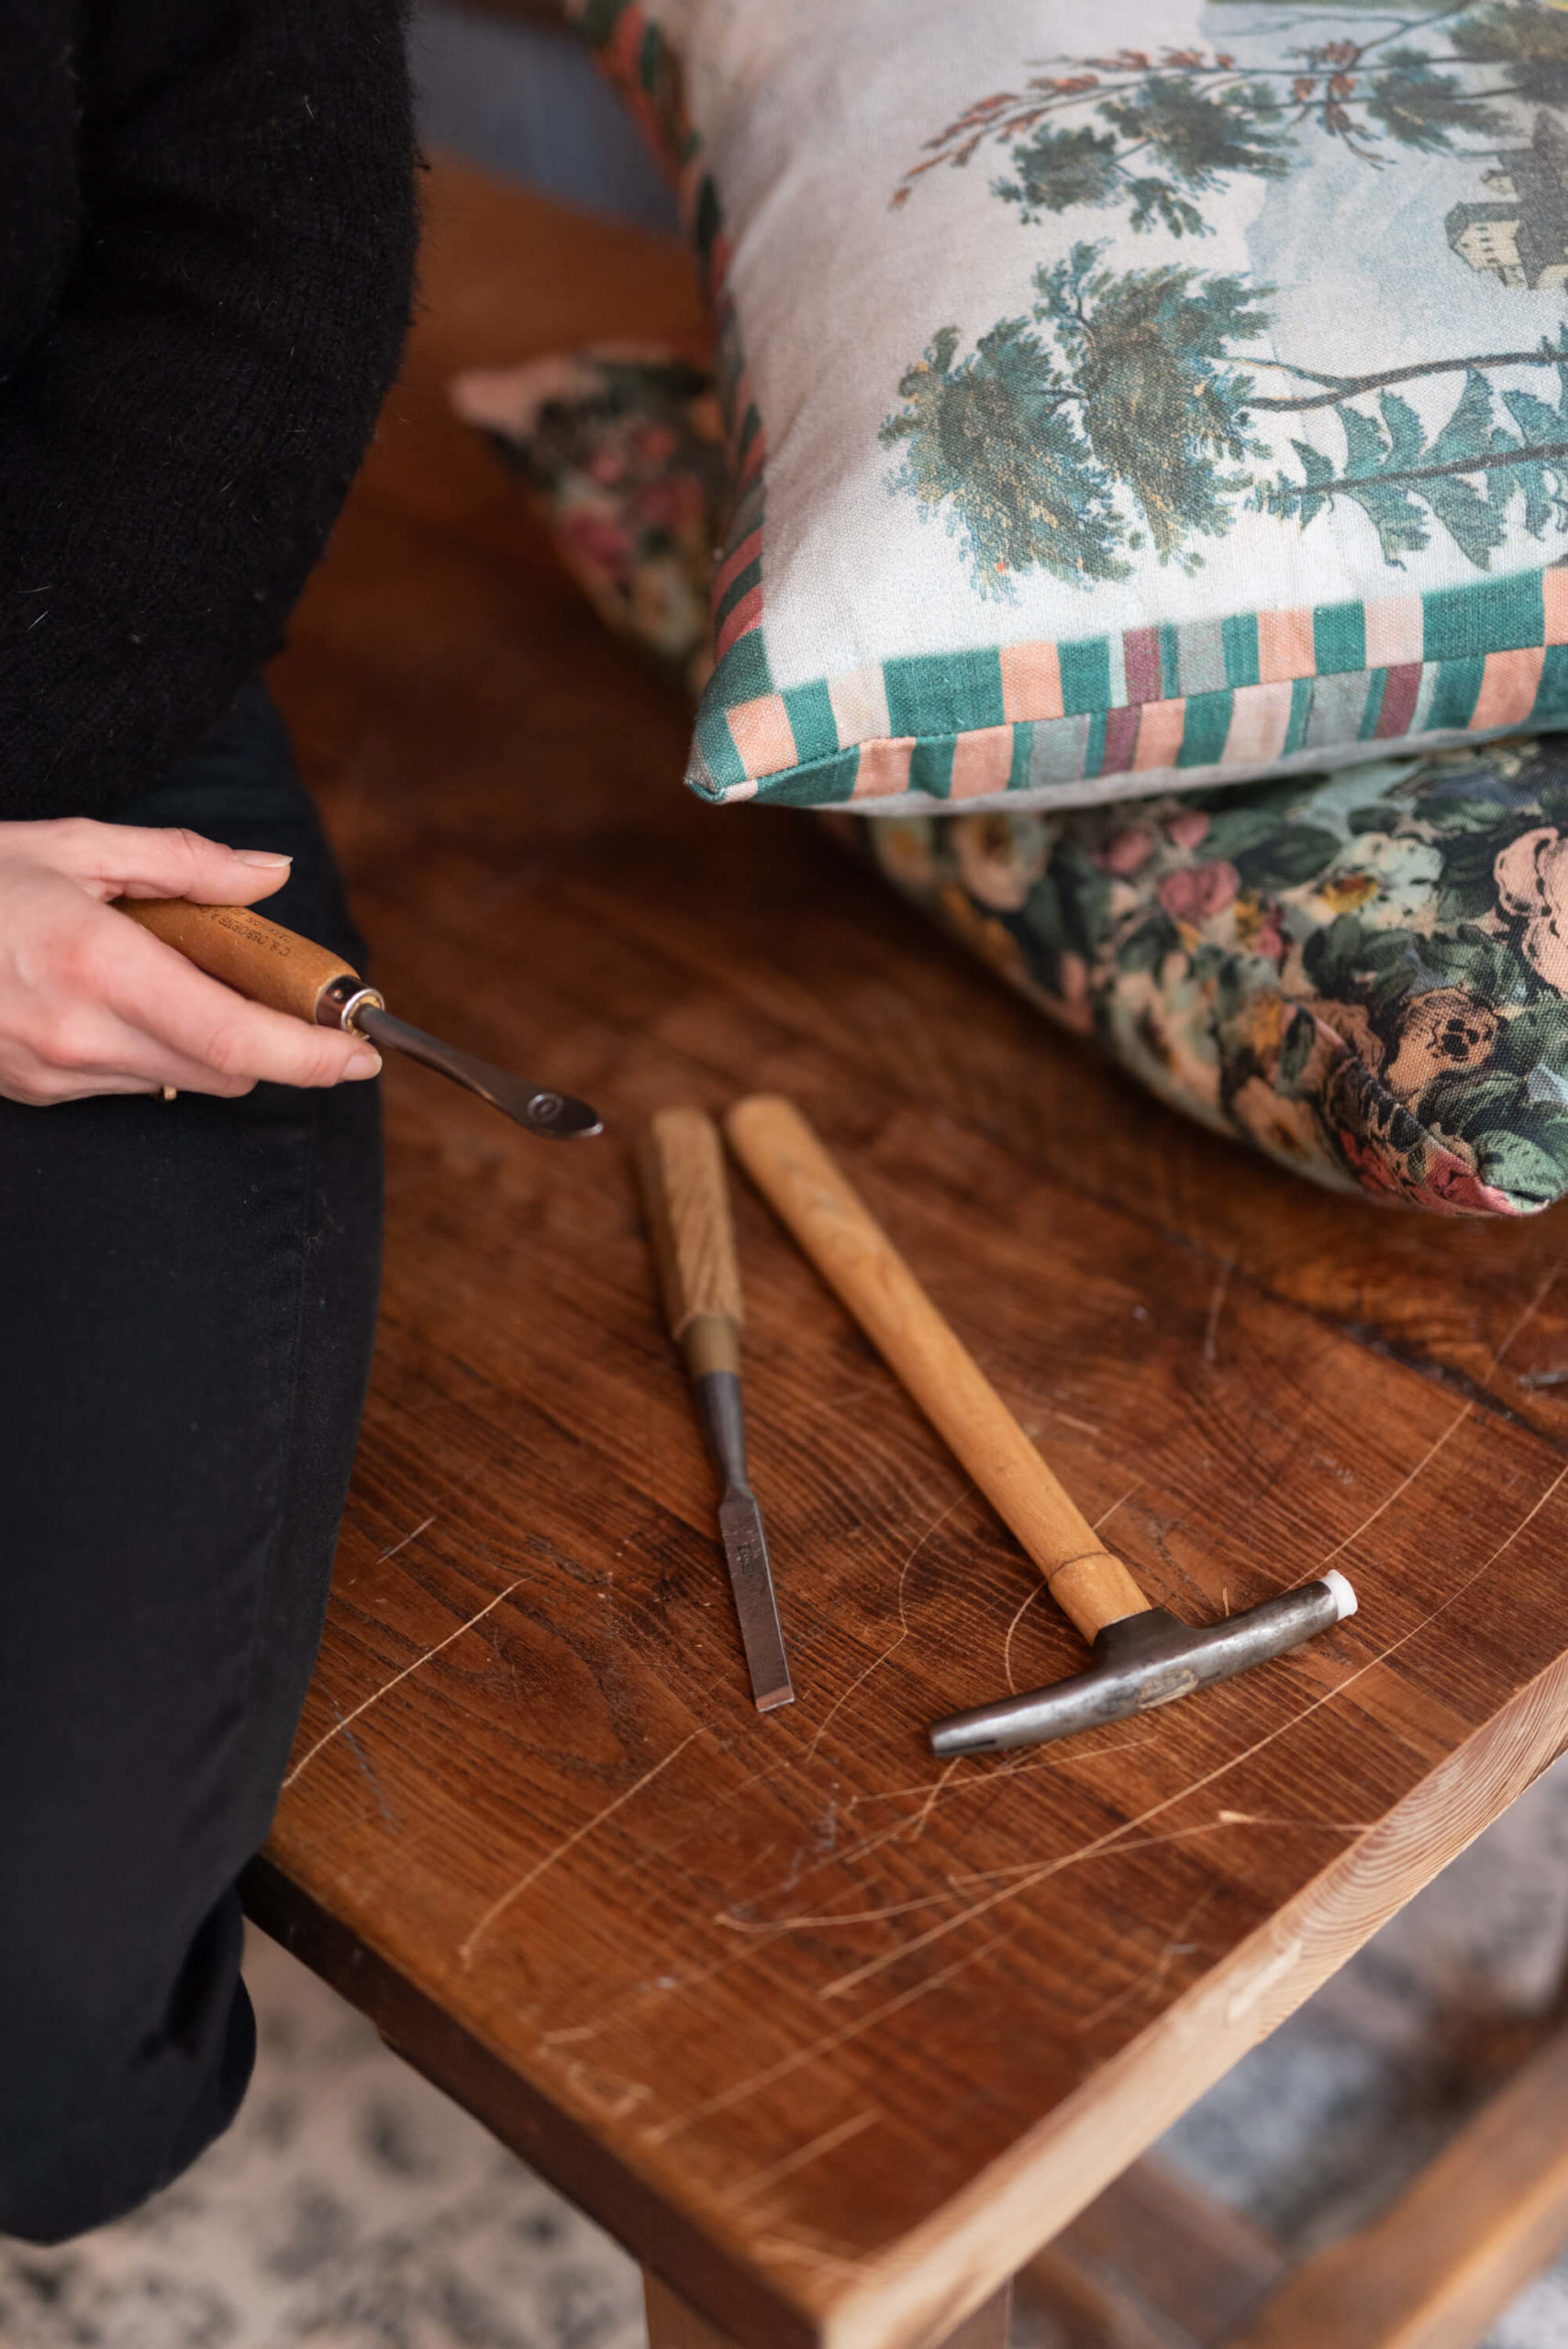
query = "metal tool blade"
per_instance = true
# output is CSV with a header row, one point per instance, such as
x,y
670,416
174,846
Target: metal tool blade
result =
x,y
751,1578
555,1115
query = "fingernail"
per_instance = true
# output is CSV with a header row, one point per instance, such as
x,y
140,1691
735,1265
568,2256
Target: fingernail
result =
x,y
263,857
364,1065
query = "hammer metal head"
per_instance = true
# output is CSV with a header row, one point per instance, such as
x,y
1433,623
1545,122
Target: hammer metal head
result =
x,y
1148,1660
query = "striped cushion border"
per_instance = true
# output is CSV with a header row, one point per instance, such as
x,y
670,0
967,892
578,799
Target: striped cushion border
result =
x,y
1242,693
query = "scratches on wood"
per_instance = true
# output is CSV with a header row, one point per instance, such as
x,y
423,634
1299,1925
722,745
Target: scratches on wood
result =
x,y
830,2041
1516,1331
934,1797
515,1892
1025,1604
405,1540
1455,1595
1400,1489
1033,1877
896,1643
1147,1985
308,1757
828,2141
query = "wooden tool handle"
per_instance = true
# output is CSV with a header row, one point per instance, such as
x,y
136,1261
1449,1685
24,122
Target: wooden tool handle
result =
x,y
256,957
853,1253
681,1160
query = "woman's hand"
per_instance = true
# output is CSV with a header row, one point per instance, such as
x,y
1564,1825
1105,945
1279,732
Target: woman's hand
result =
x,y
92,1003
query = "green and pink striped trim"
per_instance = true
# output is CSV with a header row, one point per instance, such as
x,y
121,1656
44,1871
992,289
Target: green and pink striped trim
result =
x,y
1242,693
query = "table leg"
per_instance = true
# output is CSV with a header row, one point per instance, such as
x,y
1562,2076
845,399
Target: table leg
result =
x,y
673,2323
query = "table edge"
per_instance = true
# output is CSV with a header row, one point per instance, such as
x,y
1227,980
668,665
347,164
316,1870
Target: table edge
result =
x,y
993,2225
917,2292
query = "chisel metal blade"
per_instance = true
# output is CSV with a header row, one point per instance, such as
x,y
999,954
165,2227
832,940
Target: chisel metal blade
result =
x,y
555,1115
751,1578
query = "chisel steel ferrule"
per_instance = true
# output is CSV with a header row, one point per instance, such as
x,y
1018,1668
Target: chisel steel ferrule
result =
x,y
341,1001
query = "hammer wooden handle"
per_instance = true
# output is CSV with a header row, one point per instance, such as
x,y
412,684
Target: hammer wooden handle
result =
x,y
853,1253
686,1187
256,957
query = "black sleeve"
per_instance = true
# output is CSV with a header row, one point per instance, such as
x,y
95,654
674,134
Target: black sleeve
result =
x,y
177,441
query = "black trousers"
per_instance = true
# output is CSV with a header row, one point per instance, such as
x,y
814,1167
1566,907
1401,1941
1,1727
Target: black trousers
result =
x,y
187,1301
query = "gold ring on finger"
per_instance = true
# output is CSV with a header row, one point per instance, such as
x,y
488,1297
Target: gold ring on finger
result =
x,y
168,1092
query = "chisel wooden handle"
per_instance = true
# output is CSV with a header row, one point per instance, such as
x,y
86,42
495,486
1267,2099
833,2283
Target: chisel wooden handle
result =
x,y
256,957
684,1183
853,1253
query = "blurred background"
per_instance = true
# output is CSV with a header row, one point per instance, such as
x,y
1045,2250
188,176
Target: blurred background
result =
x,y
507,86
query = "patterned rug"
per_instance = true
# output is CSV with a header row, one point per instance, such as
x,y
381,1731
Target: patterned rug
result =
x,y
352,2207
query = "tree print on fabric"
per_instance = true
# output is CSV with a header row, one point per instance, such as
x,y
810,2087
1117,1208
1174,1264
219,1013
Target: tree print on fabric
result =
x,y
1464,477
997,438
1053,450
1196,136
1365,975
1156,135
1128,419
1128,412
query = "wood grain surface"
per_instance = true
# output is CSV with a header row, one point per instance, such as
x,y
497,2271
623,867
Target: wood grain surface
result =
x,y
833,2038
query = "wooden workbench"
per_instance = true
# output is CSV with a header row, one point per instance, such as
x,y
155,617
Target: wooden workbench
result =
x,y
831,2038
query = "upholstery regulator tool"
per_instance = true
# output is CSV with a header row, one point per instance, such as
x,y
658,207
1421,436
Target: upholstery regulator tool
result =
x,y
1142,1657
276,966
681,1160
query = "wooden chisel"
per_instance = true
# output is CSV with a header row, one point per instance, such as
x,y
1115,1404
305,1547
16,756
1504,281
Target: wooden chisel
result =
x,y
681,1158
276,966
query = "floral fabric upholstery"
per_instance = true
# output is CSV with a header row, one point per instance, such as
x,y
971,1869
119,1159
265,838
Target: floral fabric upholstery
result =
x,y
1362,975
620,446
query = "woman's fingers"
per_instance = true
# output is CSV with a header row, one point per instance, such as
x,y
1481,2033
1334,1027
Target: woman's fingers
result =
x,y
84,1047
222,1042
91,1002
123,1068
135,860
92,1050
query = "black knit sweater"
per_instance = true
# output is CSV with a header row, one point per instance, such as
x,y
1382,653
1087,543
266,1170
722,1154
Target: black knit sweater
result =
x,y
207,236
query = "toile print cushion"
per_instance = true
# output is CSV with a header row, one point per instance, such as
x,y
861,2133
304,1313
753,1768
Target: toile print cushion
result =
x,y
1123,394
1363,975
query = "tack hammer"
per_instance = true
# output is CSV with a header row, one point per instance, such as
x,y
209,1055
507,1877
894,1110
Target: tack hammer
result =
x,y
1142,1657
